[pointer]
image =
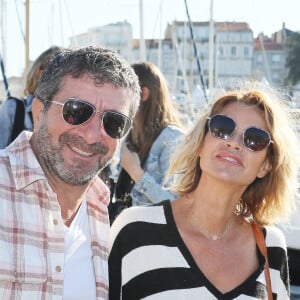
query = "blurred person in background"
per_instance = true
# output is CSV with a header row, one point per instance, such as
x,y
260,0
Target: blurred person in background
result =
x,y
145,153
16,114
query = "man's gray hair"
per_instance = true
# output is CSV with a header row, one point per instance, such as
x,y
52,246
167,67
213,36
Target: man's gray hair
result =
x,y
100,64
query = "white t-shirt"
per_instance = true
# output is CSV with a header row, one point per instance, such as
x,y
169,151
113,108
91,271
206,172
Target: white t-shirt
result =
x,y
79,276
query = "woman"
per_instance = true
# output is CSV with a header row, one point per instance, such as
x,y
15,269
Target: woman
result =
x,y
237,166
145,154
8,109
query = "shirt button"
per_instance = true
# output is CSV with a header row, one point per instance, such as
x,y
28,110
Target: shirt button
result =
x,y
58,269
55,221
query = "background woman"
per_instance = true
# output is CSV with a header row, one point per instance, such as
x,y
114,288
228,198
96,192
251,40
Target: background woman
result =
x,y
10,125
146,152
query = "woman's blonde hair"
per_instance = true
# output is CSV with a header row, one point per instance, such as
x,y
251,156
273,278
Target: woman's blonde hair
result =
x,y
266,199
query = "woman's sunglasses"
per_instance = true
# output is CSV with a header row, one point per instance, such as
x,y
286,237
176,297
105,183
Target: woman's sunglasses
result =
x,y
254,139
78,112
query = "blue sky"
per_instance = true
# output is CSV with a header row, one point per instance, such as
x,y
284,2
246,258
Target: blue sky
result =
x,y
54,21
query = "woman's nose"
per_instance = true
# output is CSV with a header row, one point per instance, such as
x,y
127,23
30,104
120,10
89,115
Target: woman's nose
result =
x,y
235,141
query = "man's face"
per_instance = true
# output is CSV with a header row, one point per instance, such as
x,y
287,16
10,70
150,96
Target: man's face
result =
x,y
75,154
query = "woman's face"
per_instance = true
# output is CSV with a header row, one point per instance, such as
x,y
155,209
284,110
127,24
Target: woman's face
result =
x,y
229,159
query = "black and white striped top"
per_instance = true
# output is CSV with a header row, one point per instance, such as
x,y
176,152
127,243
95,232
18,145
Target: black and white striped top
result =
x,y
149,260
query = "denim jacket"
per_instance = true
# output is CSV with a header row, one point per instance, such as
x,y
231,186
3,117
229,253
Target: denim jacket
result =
x,y
7,117
148,189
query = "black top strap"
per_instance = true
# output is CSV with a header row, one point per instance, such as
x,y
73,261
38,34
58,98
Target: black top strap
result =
x,y
18,124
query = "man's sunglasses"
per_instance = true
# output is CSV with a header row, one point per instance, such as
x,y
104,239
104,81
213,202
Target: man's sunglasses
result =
x,y
78,112
223,127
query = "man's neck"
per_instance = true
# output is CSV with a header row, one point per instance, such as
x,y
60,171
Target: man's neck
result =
x,y
70,199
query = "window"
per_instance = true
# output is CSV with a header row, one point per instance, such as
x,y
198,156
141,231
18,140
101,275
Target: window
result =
x,y
221,51
259,58
275,77
275,58
233,50
246,51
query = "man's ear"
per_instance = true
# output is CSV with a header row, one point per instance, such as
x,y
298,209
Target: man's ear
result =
x,y
265,168
145,93
37,111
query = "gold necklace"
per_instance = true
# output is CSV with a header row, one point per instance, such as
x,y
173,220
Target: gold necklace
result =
x,y
216,237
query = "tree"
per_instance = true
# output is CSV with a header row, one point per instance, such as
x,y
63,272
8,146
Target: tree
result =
x,y
293,58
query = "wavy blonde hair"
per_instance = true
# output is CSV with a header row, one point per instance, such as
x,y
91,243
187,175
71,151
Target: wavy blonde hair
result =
x,y
266,199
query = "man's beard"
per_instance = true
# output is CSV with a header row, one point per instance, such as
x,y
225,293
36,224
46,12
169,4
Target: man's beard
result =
x,y
77,173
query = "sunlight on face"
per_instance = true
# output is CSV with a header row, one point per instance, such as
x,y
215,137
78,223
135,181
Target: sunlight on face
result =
x,y
51,156
228,159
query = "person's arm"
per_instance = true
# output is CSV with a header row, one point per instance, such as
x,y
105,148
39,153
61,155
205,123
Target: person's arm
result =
x,y
149,185
7,116
151,181
131,162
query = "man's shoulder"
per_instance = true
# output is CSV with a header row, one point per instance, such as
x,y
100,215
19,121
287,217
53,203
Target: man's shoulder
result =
x,y
22,161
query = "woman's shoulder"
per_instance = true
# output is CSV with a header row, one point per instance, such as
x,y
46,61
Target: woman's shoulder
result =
x,y
8,104
137,215
170,133
172,129
150,214
169,136
274,237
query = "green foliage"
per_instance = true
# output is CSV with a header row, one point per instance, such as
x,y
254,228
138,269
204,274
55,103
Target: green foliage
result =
x,y
293,58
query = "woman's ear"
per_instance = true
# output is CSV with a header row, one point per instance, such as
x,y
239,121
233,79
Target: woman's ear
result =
x,y
145,93
37,111
265,168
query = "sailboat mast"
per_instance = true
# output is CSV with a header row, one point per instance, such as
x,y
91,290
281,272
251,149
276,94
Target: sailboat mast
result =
x,y
142,40
211,51
160,36
27,61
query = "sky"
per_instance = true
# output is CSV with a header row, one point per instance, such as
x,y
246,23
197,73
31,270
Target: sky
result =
x,y
52,22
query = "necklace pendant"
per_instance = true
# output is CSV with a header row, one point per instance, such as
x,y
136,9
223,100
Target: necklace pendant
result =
x,y
215,237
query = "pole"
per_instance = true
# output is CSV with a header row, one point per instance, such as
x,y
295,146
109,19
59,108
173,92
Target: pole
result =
x,y
142,41
27,37
195,51
5,81
160,36
211,50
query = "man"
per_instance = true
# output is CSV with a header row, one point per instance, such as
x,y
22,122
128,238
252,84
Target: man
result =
x,y
53,206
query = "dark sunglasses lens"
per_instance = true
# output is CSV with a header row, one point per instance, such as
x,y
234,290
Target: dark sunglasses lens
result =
x,y
76,112
256,139
221,126
116,125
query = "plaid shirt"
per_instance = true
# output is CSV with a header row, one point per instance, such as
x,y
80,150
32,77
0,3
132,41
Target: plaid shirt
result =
x,y
32,230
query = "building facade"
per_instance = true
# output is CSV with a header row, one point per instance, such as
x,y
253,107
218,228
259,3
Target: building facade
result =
x,y
185,61
269,57
234,52
117,36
